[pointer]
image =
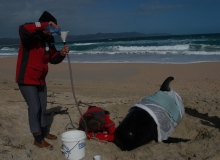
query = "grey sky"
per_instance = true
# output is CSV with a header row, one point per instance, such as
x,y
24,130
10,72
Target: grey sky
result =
x,y
92,16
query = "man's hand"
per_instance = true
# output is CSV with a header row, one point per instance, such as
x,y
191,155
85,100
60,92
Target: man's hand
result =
x,y
53,24
65,50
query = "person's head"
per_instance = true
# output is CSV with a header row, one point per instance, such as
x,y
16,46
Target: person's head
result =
x,y
47,17
93,123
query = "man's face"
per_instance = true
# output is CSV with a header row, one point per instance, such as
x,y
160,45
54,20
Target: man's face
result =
x,y
47,33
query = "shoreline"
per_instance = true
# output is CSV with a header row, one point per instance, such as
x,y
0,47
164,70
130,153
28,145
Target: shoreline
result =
x,y
176,63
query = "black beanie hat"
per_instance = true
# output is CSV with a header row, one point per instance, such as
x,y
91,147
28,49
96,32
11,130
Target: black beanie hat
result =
x,y
47,17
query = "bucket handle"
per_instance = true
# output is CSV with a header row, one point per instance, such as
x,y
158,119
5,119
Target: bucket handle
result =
x,y
68,151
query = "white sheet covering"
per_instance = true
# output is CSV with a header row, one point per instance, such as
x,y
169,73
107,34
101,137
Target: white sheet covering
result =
x,y
167,110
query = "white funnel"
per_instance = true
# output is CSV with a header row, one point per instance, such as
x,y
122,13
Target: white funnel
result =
x,y
63,35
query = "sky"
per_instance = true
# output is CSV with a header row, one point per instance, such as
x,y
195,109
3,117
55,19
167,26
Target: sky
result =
x,y
80,17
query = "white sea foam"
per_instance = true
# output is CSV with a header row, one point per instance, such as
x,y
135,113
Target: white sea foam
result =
x,y
7,49
84,44
152,48
146,50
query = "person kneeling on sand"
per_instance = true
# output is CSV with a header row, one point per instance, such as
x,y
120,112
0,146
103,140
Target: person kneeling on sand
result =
x,y
98,124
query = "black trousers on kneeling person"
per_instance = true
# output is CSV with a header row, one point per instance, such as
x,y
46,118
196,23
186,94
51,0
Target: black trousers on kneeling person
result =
x,y
137,128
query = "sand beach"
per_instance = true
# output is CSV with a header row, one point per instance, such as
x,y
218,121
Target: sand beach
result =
x,y
114,87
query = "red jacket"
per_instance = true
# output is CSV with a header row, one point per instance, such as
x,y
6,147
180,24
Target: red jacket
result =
x,y
108,128
34,54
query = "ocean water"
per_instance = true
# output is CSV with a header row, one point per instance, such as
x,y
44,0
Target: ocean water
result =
x,y
164,49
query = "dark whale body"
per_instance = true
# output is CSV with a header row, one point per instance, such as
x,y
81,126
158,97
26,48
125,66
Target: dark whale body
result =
x,y
138,127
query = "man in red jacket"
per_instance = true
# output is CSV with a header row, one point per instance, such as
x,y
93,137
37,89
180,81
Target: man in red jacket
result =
x,y
35,52
98,124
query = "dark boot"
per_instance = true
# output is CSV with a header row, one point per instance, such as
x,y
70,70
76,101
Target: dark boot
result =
x,y
40,142
47,135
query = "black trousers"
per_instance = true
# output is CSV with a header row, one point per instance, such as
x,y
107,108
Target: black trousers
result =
x,y
36,99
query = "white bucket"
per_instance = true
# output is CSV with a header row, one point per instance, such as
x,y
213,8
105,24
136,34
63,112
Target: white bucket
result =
x,y
73,144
